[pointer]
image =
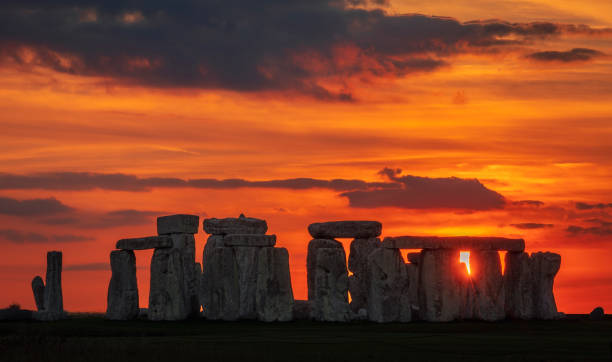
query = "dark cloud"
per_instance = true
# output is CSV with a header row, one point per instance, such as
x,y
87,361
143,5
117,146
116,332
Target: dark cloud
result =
x,y
428,193
117,218
26,237
32,207
245,45
593,230
574,55
531,225
586,206
535,203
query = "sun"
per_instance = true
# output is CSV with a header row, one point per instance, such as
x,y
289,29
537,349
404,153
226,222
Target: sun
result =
x,y
464,257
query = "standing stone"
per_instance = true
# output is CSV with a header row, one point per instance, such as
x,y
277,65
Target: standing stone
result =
x,y
414,258
167,294
185,243
301,310
38,288
54,304
213,242
224,284
247,262
330,302
274,295
358,264
518,286
488,283
544,268
198,274
388,293
311,260
442,285
413,289
122,301
597,314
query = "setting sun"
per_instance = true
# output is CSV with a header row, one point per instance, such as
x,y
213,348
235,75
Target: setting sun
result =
x,y
464,257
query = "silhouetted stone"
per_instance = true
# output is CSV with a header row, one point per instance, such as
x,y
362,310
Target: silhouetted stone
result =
x,y
247,262
213,242
544,268
122,300
454,242
252,240
38,288
412,270
149,242
330,302
358,265
388,293
488,284
597,314
443,284
54,303
345,229
518,286
274,295
185,243
414,258
301,310
311,260
232,225
224,284
167,293
178,224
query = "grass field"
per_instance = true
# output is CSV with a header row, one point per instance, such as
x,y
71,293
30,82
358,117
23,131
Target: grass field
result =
x,y
91,338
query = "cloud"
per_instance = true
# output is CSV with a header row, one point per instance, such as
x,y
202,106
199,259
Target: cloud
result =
x,y
26,237
575,230
528,203
117,218
531,225
32,207
574,55
428,193
247,46
586,206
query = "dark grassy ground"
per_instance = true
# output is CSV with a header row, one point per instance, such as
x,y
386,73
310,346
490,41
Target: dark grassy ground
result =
x,y
88,338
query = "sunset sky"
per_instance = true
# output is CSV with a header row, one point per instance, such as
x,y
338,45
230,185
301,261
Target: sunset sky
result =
x,y
465,117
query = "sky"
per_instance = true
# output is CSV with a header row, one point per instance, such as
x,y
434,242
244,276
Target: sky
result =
x,y
467,117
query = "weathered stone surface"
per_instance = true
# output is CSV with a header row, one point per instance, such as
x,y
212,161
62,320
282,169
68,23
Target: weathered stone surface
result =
x,y
149,242
232,225
488,283
185,243
388,292
178,224
414,258
358,265
167,293
443,282
301,310
345,229
224,284
198,274
413,289
454,242
122,300
544,268
518,286
274,294
247,262
38,288
249,240
54,302
206,277
330,302
311,260
597,314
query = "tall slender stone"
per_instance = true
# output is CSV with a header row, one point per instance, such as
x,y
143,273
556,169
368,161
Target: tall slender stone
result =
x,y
213,242
518,286
488,284
38,288
185,243
122,300
358,265
247,262
330,302
544,268
311,260
54,303
224,283
413,289
167,293
274,294
388,297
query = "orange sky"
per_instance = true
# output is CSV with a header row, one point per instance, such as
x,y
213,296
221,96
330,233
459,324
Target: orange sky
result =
x,y
527,128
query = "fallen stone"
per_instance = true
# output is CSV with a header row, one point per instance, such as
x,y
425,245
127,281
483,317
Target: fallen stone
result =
x,y
274,294
345,229
38,288
54,301
544,268
122,300
167,292
249,240
488,284
301,310
414,258
330,302
388,292
149,242
597,314
518,286
311,260
247,262
443,282
178,224
232,225
224,284
454,242
358,265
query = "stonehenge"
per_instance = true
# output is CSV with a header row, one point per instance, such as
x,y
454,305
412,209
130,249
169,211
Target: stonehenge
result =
x,y
48,296
122,301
